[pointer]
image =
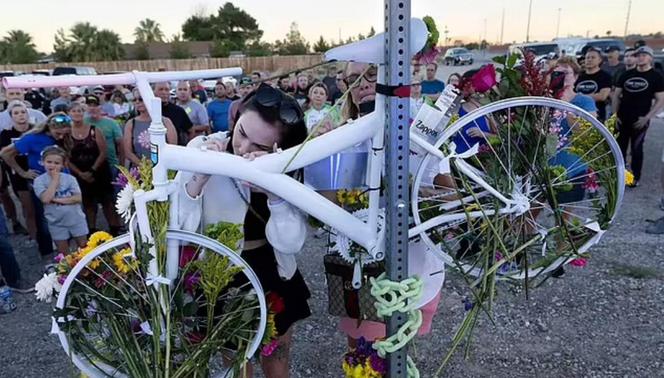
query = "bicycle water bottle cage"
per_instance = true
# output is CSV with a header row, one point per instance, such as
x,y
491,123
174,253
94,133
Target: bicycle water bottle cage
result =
x,y
372,50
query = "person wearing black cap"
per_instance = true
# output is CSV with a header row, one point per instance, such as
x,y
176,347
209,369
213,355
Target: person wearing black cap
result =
x,y
633,102
594,82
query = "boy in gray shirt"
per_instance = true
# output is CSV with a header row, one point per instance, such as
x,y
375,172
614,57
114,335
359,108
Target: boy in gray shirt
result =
x,y
61,196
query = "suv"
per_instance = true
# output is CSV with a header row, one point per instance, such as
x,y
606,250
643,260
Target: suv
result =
x,y
458,55
601,44
74,71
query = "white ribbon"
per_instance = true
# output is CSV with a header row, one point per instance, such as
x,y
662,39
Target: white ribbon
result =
x,y
155,281
594,226
444,164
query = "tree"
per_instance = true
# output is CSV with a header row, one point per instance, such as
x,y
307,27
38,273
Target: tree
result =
x,y
372,32
17,47
109,46
142,51
148,31
231,28
360,37
179,49
293,44
608,33
86,43
321,45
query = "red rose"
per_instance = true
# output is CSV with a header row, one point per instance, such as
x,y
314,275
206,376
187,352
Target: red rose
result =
x,y
275,302
187,254
485,78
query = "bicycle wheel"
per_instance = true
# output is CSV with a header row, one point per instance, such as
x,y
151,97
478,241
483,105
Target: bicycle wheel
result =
x,y
105,313
521,202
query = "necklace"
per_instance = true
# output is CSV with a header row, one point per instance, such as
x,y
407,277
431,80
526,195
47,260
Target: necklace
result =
x,y
79,135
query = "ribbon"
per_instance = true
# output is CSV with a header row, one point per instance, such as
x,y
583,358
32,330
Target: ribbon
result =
x,y
155,281
594,226
444,164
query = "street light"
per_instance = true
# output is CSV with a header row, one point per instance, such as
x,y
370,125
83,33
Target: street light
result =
x,y
558,23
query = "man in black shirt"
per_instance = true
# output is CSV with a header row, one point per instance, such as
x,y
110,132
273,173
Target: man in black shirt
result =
x,y
633,102
176,114
594,82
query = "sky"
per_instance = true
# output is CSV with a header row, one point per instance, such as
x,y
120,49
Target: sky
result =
x,y
467,20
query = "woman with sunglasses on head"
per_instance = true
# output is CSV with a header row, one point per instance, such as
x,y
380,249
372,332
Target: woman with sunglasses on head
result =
x,y
18,112
88,163
55,130
274,231
136,138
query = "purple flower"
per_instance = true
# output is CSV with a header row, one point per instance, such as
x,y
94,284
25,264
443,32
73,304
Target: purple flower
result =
x,y
468,304
121,181
190,282
378,364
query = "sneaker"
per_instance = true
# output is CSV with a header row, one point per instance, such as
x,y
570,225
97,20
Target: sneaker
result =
x,y
656,227
22,287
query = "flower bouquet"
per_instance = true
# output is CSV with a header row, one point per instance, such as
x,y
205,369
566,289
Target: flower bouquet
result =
x,y
364,362
117,318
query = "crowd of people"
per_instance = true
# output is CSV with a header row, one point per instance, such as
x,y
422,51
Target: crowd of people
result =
x,y
60,156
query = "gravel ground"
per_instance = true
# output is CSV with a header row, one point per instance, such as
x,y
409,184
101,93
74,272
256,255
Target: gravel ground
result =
x,y
603,320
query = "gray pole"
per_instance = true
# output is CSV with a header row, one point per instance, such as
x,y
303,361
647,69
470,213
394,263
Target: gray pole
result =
x,y
558,23
502,27
629,10
530,8
397,58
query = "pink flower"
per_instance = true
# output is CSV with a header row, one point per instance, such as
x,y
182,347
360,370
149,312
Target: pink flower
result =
x,y
591,185
267,350
580,262
61,280
485,78
59,257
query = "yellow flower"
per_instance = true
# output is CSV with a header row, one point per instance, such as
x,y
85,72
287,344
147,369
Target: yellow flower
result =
x,y
629,178
341,196
98,238
94,264
119,260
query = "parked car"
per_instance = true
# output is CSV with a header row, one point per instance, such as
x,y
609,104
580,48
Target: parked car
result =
x,y
603,44
458,55
540,49
74,71
41,72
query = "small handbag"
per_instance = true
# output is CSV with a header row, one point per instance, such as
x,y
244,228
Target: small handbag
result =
x,y
343,299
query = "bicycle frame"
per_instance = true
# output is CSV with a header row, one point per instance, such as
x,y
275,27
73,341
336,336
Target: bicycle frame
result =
x,y
267,171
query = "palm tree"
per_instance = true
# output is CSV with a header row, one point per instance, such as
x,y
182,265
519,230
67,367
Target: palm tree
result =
x,y
18,48
82,42
109,46
148,31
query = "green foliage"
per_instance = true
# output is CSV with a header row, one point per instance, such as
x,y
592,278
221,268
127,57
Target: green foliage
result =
x,y
228,234
86,43
231,28
17,48
434,34
142,52
179,49
293,44
321,45
148,31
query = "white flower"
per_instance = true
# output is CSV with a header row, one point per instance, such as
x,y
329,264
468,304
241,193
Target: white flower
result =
x,y
45,288
124,202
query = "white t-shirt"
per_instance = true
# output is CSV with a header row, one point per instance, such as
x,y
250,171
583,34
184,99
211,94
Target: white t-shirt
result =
x,y
313,116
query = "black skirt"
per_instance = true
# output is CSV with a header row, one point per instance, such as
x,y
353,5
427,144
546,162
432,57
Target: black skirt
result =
x,y
294,292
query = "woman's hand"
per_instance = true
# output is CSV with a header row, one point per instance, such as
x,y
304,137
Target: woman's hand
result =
x,y
30,174
215,145
325,127
476,132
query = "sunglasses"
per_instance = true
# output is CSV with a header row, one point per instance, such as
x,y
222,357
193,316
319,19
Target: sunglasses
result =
x,y
273,99
61,119
370,75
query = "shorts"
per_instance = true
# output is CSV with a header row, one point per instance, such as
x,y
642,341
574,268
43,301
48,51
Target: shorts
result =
x,y
60,232
375,330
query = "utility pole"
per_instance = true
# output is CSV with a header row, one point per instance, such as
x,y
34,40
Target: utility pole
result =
x,y
558,23
502,27
629,10
447,40
530,9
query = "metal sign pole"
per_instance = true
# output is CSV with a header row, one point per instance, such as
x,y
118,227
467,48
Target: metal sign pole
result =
x,y
397,118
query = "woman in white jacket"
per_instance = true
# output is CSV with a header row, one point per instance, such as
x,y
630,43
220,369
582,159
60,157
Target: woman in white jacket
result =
x,y
273,229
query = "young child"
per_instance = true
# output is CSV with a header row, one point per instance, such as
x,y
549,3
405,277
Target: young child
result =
x,y
61,196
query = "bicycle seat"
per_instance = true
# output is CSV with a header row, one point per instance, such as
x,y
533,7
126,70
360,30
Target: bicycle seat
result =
x,y
372,50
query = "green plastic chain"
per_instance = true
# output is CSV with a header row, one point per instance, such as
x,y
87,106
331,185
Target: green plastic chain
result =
x,y
402,297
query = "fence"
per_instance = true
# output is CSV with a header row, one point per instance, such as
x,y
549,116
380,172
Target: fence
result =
x,y
273,64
